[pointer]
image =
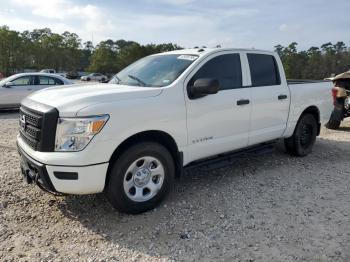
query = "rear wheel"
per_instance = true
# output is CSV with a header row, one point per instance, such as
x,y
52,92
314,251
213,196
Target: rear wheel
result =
x,y
304,137
140,178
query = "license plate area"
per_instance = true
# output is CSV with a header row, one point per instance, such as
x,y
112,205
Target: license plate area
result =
x,y
28,173
35,172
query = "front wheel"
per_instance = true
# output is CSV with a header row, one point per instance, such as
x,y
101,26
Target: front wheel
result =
x,y
304,137
140,178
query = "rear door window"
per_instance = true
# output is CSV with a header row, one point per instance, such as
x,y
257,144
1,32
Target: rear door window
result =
x,y
263,70
58,81
45,80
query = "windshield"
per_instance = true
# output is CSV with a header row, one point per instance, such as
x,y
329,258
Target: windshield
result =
x,y
154,71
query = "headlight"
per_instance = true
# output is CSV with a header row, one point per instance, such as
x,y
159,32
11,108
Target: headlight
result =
x,y
74,134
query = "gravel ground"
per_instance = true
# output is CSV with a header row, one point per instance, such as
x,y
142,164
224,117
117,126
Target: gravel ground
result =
x,y
268,207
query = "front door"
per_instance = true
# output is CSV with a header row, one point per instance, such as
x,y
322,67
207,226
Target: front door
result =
x,y
13,94
220,122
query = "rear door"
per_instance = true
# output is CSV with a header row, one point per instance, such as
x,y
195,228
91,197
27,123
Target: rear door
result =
x,y
270,98
42,82
220,122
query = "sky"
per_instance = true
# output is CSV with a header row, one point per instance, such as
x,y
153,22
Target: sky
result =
x,y
188,23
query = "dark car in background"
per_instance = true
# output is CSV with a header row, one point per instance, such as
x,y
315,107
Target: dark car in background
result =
x,y
72,75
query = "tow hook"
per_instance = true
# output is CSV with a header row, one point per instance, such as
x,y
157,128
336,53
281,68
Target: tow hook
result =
x,y
26,176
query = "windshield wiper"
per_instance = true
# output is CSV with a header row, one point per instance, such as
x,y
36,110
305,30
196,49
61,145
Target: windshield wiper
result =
x,y
138,80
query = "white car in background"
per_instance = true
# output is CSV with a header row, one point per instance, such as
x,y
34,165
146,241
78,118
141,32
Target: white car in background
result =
x,y
52,71
94,77
49,71
14,88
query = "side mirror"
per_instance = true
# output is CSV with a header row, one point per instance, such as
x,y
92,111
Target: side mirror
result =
x,y
8,84
203,87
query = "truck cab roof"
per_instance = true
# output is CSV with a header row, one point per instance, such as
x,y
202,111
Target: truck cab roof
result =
x,y
206,51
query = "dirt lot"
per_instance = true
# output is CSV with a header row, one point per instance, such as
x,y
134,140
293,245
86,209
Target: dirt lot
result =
x,y
270,207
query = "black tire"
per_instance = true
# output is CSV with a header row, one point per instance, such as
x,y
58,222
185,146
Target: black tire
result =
x,y
333,124
115,188
88,79
337,114
304,136
103,80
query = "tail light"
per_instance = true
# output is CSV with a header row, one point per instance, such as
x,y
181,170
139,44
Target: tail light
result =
x,y
334,94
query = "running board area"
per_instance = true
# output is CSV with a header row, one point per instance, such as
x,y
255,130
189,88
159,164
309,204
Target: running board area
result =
x,y
226,159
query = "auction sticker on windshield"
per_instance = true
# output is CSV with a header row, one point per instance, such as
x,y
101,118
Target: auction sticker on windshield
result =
x,y
188,57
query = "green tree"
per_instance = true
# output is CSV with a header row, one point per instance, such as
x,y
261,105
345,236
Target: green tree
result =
x,y
87,50
110,57
103,58
41,48
316,62
11,50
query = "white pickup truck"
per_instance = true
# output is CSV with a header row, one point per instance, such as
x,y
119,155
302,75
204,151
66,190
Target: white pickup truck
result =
x,y
130,138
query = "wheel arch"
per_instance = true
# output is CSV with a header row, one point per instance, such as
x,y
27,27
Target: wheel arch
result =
x,y
157,136
313,110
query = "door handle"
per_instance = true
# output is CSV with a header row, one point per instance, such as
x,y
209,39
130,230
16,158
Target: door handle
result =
x,y
243,102
281,97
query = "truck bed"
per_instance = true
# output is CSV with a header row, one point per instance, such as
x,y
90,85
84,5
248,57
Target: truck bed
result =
x,y
304,81
313,93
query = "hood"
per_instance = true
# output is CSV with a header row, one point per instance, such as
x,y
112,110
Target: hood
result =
x,y
69,99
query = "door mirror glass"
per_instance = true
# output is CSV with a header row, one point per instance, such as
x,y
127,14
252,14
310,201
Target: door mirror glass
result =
x,y
8,84
203,87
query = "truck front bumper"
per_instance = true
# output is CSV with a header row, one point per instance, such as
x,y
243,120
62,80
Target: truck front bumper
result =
x,y
87,179
33,171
